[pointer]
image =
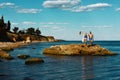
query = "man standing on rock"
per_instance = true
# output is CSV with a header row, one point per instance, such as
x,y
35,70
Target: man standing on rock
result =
x,y
91,38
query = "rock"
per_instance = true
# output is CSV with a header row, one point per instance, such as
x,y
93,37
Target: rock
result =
x,y
23,56
3,75
27,78
28,40
5,55
0,60
7,49
51,38
33,48
33,60
77,49
47,39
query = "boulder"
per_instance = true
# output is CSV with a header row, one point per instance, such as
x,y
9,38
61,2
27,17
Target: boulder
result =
x,y
77,49
8,49
23,56
5,55
33,61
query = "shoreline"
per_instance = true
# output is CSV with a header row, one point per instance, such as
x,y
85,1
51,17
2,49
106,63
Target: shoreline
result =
x,y
5,47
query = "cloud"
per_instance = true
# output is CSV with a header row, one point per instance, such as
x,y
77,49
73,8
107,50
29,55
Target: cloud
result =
x,y
29,23
91,7
73,5
32,11
118,9
97,26
54,23
62,4
15,24
7,4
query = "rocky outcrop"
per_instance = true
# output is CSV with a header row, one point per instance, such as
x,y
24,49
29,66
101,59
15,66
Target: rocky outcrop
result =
x,y
5,55
23,56
77,49
47,39
51,38
33,61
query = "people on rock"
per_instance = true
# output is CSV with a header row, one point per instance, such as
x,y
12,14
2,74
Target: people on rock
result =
x,y
91,38
86,36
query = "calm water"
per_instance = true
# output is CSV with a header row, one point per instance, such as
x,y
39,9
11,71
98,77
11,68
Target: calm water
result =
x,y
63,67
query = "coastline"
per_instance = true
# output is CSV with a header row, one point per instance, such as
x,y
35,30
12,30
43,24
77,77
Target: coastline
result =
x,y
5,47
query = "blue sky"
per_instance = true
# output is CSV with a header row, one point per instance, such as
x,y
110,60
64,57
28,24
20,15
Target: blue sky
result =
x,y
63,19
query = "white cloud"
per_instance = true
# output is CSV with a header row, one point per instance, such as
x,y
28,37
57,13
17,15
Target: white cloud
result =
x,y
29,23
7,4
104,26
45,26
32,10
15,24
118,9
62,4
73,5
52,27
91,7
54,23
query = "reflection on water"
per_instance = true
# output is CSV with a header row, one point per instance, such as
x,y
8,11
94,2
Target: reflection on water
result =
x,y
87,67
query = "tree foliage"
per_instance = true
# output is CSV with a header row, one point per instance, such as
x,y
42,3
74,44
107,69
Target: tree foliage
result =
x,y
21,32
15,29
8,26
30,31
38,32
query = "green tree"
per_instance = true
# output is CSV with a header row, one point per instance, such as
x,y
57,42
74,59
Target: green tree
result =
x,y
30,31
8,26
38,32
21,32
15,29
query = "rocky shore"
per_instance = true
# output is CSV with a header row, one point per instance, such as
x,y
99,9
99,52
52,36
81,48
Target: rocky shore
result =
x,y
5,47
77,49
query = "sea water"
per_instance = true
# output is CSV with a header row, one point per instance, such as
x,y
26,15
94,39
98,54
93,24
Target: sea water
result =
x,y
62,67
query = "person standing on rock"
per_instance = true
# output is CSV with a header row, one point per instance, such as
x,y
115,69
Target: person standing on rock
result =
x,y
91,38
85,37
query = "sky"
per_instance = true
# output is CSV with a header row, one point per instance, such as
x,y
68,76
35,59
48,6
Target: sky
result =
x,y
64,19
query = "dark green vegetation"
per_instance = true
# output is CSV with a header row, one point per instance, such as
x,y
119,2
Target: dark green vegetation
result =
x,y
6,35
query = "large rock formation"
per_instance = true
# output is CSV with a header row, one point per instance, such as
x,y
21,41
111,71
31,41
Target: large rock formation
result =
x,y
47,39
51,38
77,49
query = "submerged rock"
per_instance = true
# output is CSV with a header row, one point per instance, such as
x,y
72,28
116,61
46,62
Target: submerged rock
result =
x,y
33,60
0,60
77,49
23,56
3,75
27,78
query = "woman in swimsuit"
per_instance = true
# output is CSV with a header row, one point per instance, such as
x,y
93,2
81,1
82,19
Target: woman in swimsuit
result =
x,y
85,38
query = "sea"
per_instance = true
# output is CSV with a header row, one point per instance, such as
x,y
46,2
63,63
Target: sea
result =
x,y
62,67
